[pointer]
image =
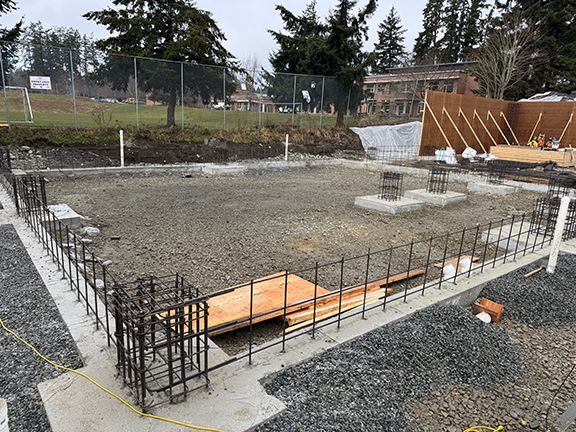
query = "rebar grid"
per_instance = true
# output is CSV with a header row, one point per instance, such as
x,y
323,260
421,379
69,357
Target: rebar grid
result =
x,y
390,186
438,181
546,215
495,173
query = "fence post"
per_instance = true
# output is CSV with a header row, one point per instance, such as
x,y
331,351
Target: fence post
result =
x,y
4,88
294,102
182,94
224,94
136,92
322,102
73,90
558,234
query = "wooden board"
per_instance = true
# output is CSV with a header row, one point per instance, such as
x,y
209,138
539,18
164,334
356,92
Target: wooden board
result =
x,y
534,155
233,308
330,304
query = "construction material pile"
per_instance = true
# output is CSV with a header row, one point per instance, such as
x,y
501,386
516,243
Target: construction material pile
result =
x,y
539,300
364,384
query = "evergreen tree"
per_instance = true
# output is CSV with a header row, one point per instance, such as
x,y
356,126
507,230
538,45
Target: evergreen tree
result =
x,y
333,47
426,48
454,16
169,29
390,49
474,28
8,36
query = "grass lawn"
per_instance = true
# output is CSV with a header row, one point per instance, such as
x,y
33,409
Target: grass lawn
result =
x,y
58,110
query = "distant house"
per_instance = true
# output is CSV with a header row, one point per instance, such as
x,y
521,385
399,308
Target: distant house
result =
x,y
400,93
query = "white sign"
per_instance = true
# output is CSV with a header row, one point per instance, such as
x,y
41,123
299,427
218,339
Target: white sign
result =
x,y
40,83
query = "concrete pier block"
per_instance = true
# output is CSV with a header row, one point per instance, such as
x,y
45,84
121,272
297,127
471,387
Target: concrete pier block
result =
x,y
491,189
441,200
66,215
403,205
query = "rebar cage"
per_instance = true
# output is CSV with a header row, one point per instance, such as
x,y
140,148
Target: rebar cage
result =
x,y
390,186
438,180
495,173
561,185
162,340
545,217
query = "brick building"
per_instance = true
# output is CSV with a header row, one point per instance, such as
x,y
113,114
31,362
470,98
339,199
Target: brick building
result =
x,y
401,92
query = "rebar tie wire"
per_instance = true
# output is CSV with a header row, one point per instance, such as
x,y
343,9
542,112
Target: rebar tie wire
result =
x,y
104,389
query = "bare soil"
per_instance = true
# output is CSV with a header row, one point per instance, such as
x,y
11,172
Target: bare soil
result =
x,y
222,231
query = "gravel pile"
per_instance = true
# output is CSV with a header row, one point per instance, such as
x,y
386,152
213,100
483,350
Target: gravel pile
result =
x,y
366,383
540,300
27,307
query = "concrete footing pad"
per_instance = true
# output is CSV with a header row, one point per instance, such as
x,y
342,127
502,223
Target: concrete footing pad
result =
x,y
441,200
403,205
66,215
491,189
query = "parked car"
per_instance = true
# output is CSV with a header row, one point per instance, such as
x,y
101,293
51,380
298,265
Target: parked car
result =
x,y
220,106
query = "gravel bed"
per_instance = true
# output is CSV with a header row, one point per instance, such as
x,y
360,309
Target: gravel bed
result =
x,y
540,300
365,384
27,307
220,231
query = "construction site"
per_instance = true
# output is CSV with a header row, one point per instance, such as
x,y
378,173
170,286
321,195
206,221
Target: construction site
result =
x,y
405,286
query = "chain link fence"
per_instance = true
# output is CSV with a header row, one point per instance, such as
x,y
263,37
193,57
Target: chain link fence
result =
x,y
52,86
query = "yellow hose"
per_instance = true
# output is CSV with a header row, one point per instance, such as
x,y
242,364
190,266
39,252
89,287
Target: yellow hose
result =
x,y
488,428
104,389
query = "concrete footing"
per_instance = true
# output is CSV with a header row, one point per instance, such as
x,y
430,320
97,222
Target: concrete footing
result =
x,y
223,169
403,205
66,215
491,189
441,200
511,240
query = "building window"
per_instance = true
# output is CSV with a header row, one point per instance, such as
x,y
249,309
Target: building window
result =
x,y
449,87
401,108
381,88
421,106
407,87
370,88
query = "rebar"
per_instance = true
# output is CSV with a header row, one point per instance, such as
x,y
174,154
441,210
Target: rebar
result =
x,y
438,181
390,186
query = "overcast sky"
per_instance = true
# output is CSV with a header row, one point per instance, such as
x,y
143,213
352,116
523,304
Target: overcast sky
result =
x,y
243,21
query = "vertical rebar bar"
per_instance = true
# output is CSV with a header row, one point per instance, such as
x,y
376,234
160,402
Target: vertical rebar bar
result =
x,y
366,275
408,272
250,336
427,264
340,290
459,255
474,249
315,301
284,313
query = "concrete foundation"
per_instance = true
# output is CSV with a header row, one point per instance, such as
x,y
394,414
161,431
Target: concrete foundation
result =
x,y
403,205
66,215
510,239
441,200
223,169
491,189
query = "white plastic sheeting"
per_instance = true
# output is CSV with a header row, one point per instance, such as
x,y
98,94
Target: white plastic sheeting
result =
x,y
397,141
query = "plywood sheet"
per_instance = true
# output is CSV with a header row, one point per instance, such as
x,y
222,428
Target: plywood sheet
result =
x,y
233,308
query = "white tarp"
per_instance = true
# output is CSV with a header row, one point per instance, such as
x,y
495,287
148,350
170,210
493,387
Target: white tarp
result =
x,y
394,141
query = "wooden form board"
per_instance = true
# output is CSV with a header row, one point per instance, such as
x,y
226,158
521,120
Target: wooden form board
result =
x,y
233,308
534,155
521,116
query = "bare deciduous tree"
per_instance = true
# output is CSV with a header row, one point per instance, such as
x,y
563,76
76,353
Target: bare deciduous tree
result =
x,y
505,58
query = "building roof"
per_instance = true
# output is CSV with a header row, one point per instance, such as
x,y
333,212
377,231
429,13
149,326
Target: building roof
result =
x,y
551,96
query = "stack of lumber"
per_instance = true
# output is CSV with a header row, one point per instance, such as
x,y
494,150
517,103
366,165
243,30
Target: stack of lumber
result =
x,y
534,155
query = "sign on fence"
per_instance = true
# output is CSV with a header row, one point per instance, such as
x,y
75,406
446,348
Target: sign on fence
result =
x,y
40,83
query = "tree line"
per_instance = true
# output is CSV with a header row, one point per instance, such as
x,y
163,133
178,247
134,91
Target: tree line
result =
x,y
519,47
